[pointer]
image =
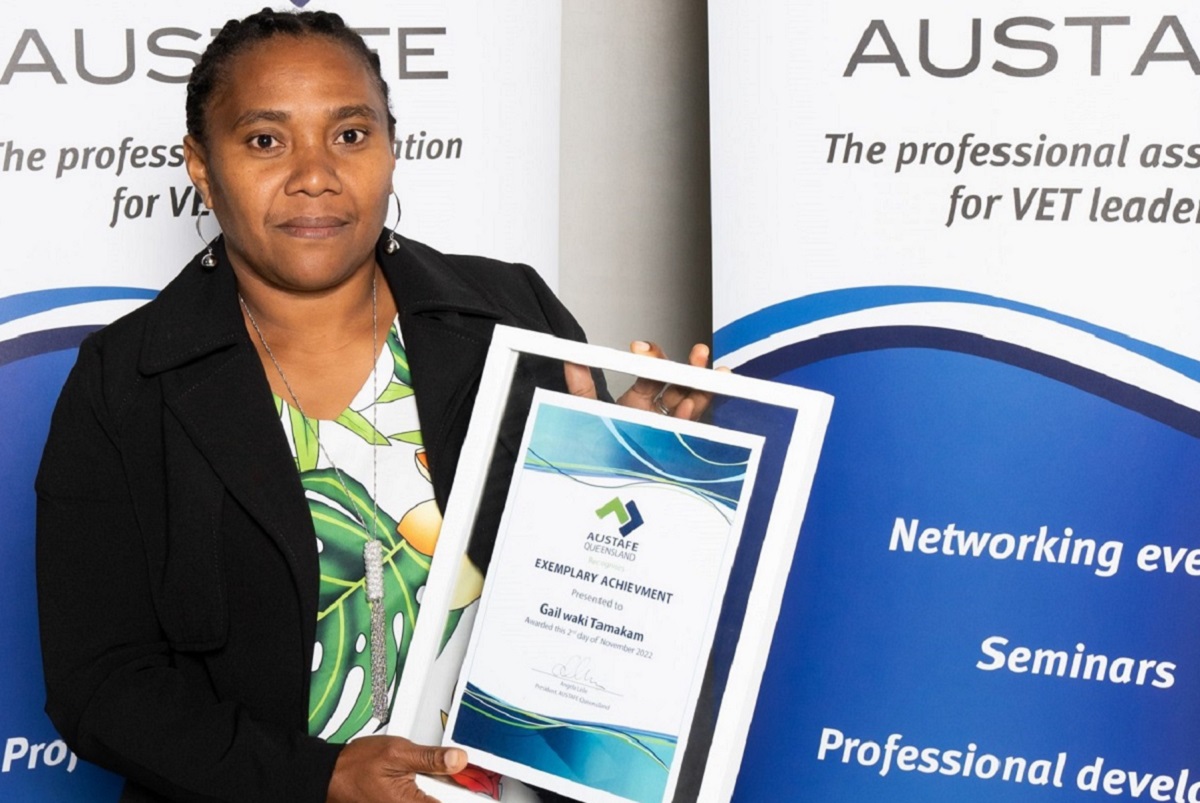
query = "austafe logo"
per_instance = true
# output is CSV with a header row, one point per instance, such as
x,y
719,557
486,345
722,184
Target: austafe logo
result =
x,y
620,546
627,514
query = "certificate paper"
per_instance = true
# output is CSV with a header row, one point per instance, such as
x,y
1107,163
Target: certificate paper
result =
x,y
602,597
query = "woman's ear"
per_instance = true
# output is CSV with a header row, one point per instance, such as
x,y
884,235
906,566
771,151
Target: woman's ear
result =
x,y
196,161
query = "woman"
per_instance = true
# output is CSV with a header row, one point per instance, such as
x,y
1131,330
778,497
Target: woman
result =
x,y
200,444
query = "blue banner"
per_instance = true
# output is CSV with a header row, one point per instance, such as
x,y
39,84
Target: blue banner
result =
x,y
993,590
972,224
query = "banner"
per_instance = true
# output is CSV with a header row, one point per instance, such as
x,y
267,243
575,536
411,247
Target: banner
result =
x,y
97,214
974,225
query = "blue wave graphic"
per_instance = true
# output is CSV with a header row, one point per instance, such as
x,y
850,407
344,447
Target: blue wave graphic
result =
x,y
22,305
856,341
578,444
627,762
45,341
819,306
952,429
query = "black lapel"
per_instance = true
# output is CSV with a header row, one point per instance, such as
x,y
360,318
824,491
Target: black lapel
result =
x,y
447,328
214,384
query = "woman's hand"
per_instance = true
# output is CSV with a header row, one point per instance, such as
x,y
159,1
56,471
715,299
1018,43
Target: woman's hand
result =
x,y
650,394
382,769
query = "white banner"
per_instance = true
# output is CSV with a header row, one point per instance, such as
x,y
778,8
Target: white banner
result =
x,y
91,154
97,214
938,179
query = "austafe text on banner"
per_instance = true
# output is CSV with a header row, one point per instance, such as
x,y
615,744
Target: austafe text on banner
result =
x,y
1076,41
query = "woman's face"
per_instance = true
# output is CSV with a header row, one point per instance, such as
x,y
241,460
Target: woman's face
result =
x,y
298,162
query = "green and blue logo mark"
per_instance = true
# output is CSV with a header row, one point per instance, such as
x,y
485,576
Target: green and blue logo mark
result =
x,y
626,512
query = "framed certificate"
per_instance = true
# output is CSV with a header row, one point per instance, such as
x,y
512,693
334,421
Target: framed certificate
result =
x,y
601,600
602,595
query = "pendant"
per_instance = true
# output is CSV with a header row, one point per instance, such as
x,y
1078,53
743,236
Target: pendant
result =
x,y
373,566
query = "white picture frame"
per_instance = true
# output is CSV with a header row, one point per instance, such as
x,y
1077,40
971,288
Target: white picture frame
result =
x,y
800,419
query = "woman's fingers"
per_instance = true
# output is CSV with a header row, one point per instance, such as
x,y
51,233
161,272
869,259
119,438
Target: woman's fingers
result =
x,y
696,402
649,394
642,392
382,769
410,757
685,402
688,408
674,400
579,380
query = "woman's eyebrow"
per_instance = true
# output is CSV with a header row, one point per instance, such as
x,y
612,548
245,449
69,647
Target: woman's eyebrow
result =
x,y
260,115
276,116
358,110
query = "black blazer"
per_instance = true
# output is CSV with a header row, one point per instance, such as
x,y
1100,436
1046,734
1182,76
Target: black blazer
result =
x,y
176,558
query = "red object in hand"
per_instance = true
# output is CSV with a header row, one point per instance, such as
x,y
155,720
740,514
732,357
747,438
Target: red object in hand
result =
x,y
479,780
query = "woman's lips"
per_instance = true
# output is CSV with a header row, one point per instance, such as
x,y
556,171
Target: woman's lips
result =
x,y
313,227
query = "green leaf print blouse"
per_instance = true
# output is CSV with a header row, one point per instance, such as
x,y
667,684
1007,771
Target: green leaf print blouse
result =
x,y
376,445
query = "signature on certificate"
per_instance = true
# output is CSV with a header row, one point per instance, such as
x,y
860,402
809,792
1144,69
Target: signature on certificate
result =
x,y
577,669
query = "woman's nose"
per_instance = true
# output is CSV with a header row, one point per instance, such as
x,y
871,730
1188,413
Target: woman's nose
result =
x,y
314,171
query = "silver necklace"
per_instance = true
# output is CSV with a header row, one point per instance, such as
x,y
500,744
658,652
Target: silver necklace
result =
x,y
373,549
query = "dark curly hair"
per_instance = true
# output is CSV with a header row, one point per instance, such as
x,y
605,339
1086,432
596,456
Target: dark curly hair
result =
x,y
238,35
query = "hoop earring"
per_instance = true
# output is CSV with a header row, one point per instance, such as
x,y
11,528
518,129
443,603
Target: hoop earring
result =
x,y
209,260
392,246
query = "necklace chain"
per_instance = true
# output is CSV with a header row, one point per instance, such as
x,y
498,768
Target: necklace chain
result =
x,y
373,549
